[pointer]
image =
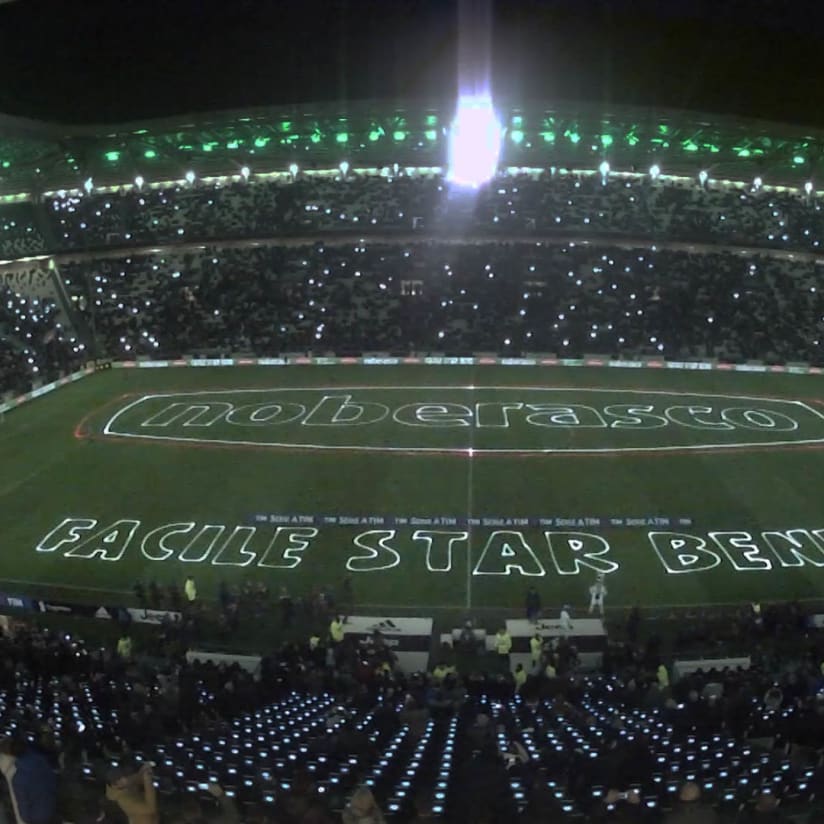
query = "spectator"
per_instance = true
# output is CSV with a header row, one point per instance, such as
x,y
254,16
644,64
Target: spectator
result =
x,y
336,630
533,605
536,649
124,647
134,793
765,810
565,619
32,782
689,809
503,645
363,809
224,811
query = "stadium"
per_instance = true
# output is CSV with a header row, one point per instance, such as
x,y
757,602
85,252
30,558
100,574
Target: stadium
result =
x,y
263,368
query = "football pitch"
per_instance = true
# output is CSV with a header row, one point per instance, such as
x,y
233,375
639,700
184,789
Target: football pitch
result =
x,y
433,487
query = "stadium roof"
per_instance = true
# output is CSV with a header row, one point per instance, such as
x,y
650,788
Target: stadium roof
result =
x,y
37,156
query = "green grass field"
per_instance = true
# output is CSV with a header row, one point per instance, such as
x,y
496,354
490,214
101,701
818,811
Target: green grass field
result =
x,y
158,473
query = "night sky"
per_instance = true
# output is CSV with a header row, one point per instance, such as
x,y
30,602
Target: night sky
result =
x,y
91,61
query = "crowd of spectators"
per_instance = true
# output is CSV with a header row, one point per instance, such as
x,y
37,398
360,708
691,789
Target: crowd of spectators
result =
x,y
34,346
19,235
592,204
143,731
502,297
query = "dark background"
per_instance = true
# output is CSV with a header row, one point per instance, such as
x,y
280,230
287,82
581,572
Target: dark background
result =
x,y
92,61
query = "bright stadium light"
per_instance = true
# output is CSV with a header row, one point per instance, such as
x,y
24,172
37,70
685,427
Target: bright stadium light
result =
x,y
757,183
190,176
344,168
138,181
703,177
245,172
655,171
604,168
808,187
293,169
474,142
88,185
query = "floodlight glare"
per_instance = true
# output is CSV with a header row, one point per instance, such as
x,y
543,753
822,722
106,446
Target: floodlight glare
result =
x,y
808,187
344,168
244,171
190,176
702,177
138,181
757,183
474,142
88,185
604,168
655,171
293,169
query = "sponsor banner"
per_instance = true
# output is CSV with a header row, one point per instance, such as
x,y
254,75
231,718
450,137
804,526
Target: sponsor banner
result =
x,y
64,608
16,602
211,362
439,360
152,616
400,634
592,522
588,634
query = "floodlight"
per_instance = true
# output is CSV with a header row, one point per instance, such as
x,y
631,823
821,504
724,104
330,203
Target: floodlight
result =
x,y
293,169
808,187
138,181
757,183
244,172
344,167
474,142
655,171
604,168
702,177
190,176
88,185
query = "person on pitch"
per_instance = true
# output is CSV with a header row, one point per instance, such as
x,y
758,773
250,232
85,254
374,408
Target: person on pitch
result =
x,y
597,593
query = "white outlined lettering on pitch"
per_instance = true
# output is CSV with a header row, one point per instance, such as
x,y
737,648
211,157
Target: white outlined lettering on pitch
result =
x,y
510,419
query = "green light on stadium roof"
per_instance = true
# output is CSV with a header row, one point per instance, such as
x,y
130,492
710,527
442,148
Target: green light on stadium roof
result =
x,y
286,125
431,120
261,142
798,160
606,140
6,164
316,136
690,146
399,134
207,147
233,144
573,137
141,131
714,149
431,134
517,136
742,151
112,156
149,154
376,134
632,139
517,121
663,129
549,137
340,137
